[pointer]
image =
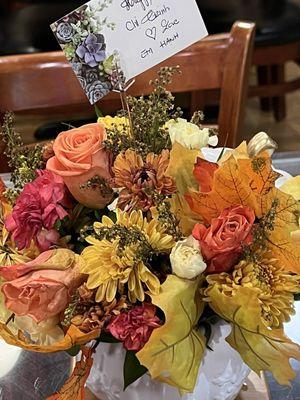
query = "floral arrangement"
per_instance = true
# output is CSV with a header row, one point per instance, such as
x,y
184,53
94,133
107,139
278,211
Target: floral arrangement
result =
x,y
122,231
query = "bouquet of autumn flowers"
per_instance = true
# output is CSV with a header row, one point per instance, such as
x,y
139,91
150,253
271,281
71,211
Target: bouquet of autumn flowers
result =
x,y
123,231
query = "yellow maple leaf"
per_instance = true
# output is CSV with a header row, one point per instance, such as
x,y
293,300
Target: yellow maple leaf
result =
x,y
174,352
292,187
181,167
261,348
73,389
286,223
186,217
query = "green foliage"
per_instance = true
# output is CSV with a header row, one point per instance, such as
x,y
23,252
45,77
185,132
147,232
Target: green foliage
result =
x,y
107,338
73,352
23,161
133,370
147,116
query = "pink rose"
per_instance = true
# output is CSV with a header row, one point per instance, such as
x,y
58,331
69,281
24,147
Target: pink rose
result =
x,y
40,205
221,243
42,288
134,328
80,156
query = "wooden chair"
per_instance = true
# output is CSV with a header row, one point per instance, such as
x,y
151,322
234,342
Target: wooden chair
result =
x,y
45,84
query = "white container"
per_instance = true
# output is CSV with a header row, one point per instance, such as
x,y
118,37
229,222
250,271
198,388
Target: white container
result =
x,y
221,375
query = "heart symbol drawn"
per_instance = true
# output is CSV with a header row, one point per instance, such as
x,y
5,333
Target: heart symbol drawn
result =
x,y
151,33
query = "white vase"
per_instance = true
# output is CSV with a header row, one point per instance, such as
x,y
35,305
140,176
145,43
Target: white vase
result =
x,y
222,374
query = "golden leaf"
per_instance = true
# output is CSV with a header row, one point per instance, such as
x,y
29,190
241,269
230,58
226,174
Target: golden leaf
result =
x,y
72,338
281,239
186,217
292,187
231,186
251,182
181,167
73,389
261,348
174,352
238,153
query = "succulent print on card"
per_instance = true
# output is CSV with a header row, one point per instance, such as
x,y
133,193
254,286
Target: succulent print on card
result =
x,y
79,35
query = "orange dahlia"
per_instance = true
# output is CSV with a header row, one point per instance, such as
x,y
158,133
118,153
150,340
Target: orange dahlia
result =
x,y
140,181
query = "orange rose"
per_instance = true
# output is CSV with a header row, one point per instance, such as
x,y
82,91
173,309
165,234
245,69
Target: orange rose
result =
x,y
222,243
42,289
80,156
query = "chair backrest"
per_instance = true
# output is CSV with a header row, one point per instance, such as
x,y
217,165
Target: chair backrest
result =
x,y
44,83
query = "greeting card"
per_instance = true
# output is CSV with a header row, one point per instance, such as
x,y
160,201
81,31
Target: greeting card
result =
x,y
108,42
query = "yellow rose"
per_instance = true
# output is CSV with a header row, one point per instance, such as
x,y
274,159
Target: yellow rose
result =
x,y
110,122
190,135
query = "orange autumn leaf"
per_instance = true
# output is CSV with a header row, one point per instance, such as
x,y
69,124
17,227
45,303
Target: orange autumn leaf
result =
x,y
72,338
251,182
237,181
204,173
73,389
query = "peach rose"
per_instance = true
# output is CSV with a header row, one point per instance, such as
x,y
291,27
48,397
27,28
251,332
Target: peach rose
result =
x,y
221,243
80,156
42,289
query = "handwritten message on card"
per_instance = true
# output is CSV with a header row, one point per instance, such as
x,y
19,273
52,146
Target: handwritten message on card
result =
x,y
139,33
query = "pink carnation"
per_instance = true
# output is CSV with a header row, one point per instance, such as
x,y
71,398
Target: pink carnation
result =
x,y
134,328
40,205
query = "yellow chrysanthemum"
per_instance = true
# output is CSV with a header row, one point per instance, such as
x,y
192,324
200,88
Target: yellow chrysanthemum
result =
x,y
115,122
9,255
275,288
120,254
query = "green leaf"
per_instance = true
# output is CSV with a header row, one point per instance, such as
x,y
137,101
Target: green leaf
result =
x,y
207,334
98,112
108,338
133,370
73,351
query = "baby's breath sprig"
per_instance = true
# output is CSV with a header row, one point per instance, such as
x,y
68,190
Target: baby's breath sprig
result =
x,y
198,118
22,160
98,183
148,116
127,237
168,219
261,234
70,310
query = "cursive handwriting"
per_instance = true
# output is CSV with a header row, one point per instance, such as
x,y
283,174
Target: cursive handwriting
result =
x,y
147,52
169,40
129,4
152,15
166,24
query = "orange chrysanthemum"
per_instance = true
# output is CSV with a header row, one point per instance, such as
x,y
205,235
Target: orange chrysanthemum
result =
x,y
140,180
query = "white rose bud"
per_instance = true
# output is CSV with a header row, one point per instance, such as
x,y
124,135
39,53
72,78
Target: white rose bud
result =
x,y
186,259
190,135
